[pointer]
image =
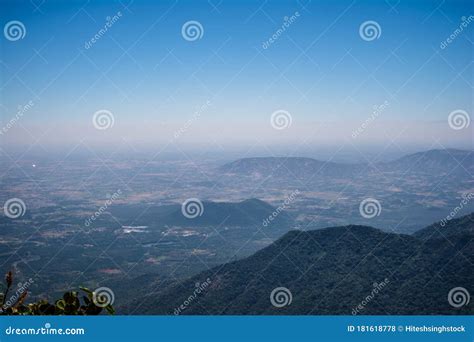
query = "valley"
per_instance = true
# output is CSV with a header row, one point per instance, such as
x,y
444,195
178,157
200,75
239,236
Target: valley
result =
x,y
119,221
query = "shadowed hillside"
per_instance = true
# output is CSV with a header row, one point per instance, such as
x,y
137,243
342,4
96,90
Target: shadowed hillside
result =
x,y
332,271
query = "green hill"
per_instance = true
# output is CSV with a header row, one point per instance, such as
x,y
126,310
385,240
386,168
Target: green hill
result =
x,y
333,271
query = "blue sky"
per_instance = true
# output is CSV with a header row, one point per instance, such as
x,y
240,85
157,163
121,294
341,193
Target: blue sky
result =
x,y
319,69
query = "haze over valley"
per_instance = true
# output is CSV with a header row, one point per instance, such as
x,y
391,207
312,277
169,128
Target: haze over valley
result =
x,y
125,218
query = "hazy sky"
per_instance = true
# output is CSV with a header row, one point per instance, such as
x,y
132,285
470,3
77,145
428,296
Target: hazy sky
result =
x,y
224,86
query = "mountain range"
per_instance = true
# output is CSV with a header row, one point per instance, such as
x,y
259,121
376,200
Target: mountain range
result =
x,y
437,162
335,271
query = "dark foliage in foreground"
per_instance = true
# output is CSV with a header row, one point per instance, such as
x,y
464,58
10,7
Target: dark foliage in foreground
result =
x,y
70,304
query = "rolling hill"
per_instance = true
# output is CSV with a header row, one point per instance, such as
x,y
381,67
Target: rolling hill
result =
x,y
251,212
448,229
334,271
438,162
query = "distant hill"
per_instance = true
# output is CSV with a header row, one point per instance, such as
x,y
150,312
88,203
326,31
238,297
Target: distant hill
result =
x,y
251,212
333,271
434,162
447,229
